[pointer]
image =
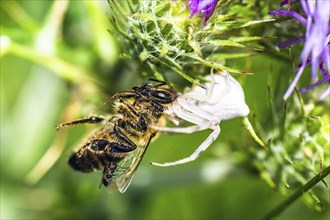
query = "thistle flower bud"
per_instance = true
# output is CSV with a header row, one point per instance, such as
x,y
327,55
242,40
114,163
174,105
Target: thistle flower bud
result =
x,y
165,36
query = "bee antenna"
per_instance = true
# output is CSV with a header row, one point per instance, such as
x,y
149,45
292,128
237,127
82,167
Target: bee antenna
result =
x,y
108,100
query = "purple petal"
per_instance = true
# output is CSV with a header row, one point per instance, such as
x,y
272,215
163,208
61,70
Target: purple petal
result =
x,y
204,7
325,58
316,50
323,70
317,36
284,2
324,80
294,83
325,93
286,13
290,42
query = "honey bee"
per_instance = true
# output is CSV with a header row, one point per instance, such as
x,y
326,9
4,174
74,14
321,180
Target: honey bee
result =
x,y
118,146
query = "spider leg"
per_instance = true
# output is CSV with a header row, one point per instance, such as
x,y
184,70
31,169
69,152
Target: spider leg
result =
x,y
186,115
209,92
196,110
186,130
169,114
226,89
201,122
193,114
211,138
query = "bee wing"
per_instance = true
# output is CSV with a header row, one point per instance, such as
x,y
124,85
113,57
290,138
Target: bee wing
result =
x,y
124,173
125,170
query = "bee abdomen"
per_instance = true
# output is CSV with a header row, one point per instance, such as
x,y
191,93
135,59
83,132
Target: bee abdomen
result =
x,y
92,158
85,163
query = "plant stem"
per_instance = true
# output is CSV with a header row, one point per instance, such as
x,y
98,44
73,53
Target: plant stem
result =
x,y
286,203
249,127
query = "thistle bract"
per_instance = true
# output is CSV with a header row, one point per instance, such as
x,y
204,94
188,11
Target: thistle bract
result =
x,y
297,150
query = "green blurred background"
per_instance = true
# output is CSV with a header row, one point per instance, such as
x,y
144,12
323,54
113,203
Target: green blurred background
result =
x,y
60,64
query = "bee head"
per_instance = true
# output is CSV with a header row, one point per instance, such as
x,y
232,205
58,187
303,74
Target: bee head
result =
x,y
158,91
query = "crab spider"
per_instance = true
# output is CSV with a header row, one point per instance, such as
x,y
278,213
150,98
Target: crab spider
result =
x,y
206,107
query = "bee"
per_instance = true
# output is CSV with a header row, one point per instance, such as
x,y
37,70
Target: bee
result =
x,y
118,146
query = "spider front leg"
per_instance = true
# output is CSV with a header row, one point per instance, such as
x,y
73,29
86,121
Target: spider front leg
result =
x,y
194,117
193,114
209,91
211,138
197,110
203,120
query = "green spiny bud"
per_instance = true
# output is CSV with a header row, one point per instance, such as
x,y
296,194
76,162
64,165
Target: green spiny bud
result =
x,y
164,37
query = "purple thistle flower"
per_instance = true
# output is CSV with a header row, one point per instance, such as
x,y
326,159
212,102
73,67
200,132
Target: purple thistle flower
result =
x,y
204,7
316,51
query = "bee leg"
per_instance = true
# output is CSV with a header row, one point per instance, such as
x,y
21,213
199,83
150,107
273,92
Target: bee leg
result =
x,y
198,151
139,125
129,146
108,173
121,148
90,120
142,124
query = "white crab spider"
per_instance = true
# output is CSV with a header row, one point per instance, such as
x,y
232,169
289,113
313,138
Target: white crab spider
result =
x,y
221,99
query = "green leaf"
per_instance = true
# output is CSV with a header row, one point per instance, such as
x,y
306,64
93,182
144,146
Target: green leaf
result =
x,y
246,39
226,56
162,9
214,65
146,16
229,25
224,43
